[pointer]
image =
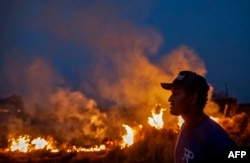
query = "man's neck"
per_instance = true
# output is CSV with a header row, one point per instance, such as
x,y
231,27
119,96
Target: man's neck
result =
x,y
193,118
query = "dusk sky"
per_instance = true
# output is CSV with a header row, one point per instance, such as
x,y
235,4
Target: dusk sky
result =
x,y
89,45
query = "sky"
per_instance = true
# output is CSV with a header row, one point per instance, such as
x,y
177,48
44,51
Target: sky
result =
x,y
119,51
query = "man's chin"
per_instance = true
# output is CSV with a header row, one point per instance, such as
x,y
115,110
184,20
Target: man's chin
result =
x,y
174,113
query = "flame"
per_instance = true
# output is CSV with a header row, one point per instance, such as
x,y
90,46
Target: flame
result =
x,y
216,119
20,144
95,148
25,144
39,143
180,121
128,138
156,119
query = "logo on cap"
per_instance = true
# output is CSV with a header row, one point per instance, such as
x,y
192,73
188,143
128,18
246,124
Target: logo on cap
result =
x,y
180,76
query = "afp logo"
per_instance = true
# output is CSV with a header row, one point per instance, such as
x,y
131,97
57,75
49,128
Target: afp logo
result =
x,y
240,154
237,154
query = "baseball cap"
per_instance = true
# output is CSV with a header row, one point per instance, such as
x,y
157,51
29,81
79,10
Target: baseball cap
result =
x,y
187,79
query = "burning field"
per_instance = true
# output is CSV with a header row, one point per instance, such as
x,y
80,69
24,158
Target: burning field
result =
x,y
127,120
30,142
110,107
100,140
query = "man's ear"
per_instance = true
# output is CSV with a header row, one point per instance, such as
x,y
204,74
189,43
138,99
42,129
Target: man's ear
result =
x,y
194,98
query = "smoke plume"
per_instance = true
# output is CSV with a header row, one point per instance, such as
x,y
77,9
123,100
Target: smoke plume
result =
x,y
114,69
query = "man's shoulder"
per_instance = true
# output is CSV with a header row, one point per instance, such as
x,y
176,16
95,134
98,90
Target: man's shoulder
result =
x,y
214,133
209,129
209,124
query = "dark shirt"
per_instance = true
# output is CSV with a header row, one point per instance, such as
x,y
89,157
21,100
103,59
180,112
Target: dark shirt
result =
x,y
205,141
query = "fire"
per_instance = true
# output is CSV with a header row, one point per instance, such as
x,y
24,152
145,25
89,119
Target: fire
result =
x,y
91,149
39,143
20,144
216,119
156,119
128,138
180,121
25,144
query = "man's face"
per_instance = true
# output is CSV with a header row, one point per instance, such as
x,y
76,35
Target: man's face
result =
x,y
179,102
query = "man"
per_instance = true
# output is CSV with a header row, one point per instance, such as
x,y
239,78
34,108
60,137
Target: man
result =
x,y
200,139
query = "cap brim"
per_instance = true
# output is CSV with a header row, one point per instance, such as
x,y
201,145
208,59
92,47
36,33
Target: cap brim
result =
x,y
167,86
170,86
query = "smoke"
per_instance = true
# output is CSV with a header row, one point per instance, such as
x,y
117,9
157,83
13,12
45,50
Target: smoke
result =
x,y
52,108
33,78
114,69
183,58
78,116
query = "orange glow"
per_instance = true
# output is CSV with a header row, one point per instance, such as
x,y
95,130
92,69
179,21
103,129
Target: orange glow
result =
x,y
4,110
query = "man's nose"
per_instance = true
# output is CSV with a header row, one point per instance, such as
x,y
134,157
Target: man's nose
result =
x,y
170,98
